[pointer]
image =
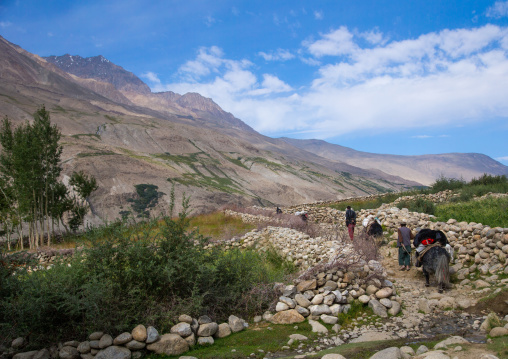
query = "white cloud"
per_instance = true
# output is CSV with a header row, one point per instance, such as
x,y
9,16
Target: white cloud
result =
x,y
278,55
502,159
498,10
152,77
337,42
4,24
447,78
421,136
318,15
209,21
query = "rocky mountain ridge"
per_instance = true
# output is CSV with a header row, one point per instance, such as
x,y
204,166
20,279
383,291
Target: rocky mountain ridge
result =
x,y
125,137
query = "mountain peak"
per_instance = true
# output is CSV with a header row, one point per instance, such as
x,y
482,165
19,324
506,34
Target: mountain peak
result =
x,y
101,69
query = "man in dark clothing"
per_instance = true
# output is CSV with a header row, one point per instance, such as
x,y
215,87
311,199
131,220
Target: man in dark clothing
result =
x,y
350,221
404,243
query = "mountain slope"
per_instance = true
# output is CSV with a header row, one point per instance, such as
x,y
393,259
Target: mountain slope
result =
x,y
193,145
424,169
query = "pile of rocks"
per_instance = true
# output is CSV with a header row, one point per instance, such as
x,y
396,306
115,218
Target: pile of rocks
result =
x,y
330,293
184,335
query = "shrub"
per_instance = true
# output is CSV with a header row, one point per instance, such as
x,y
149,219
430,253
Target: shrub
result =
x,y
490,211
418,205
443,183
149,273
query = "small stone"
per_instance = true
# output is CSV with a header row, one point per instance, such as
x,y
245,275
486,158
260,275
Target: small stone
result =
x,y
84,347
207,329
95,335
68,352
182,329
114,352
205,341
185,318
135,345
152,335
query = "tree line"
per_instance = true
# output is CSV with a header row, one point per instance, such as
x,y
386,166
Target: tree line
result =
x,y
32,194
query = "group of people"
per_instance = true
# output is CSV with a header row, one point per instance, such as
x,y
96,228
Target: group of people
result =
x,y
373,228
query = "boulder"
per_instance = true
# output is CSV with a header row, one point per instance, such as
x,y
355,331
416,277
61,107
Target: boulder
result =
x,y
95,335
204,319
328,319
378,308
317,327
135,345
185,318
287,317
139,333
207,329
306,285
223,331
18,343
395,309
26,355
205,341
122,338
182,329
384,293
42,354
106,341
364,299
236,324
169,344
84,347
317,310
302,300
450,341
191,340
498,332
68,352
152,335
114,352
388,353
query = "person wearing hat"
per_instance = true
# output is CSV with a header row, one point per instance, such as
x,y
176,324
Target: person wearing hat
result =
x,y
404,243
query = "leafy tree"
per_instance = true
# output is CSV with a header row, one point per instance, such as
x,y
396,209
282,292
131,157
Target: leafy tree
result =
x,y
30,168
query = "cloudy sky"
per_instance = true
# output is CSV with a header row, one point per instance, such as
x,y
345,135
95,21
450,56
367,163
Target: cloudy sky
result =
x,y
384,76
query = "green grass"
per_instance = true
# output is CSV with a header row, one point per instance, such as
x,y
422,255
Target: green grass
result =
x,y
92,135
489,211
499,345
370,203
92,154
250,341
218,226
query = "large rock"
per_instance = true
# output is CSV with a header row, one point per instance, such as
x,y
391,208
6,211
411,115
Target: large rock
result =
x,y
329,319
114,352
306,285
169,344
287,317
84,347
317,310
388,353
42,354
207,329
106,341
191,340
451,341
139,333
317,327
135,345
378,308
384,293
182,329
26,355
68,352
498,332
224,330
236,324
302,300
373,336
121,339
152,335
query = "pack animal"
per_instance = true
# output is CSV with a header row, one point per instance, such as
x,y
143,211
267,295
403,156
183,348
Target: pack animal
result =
x,y
436,259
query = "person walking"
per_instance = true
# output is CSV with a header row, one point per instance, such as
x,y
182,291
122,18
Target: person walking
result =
x,y
404,243
350,221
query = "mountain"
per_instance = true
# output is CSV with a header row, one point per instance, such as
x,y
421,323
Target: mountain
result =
x,y
125,136
117,130
424,169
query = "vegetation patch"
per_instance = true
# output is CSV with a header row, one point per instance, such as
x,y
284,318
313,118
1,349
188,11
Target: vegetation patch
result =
x,y
146,198
91,135
489,211
418,204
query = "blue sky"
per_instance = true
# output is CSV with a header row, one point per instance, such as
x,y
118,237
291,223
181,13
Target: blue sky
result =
x,y
399,76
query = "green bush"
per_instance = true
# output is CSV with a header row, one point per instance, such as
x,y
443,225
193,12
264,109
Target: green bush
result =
x,y
443,183
128,275
418,205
